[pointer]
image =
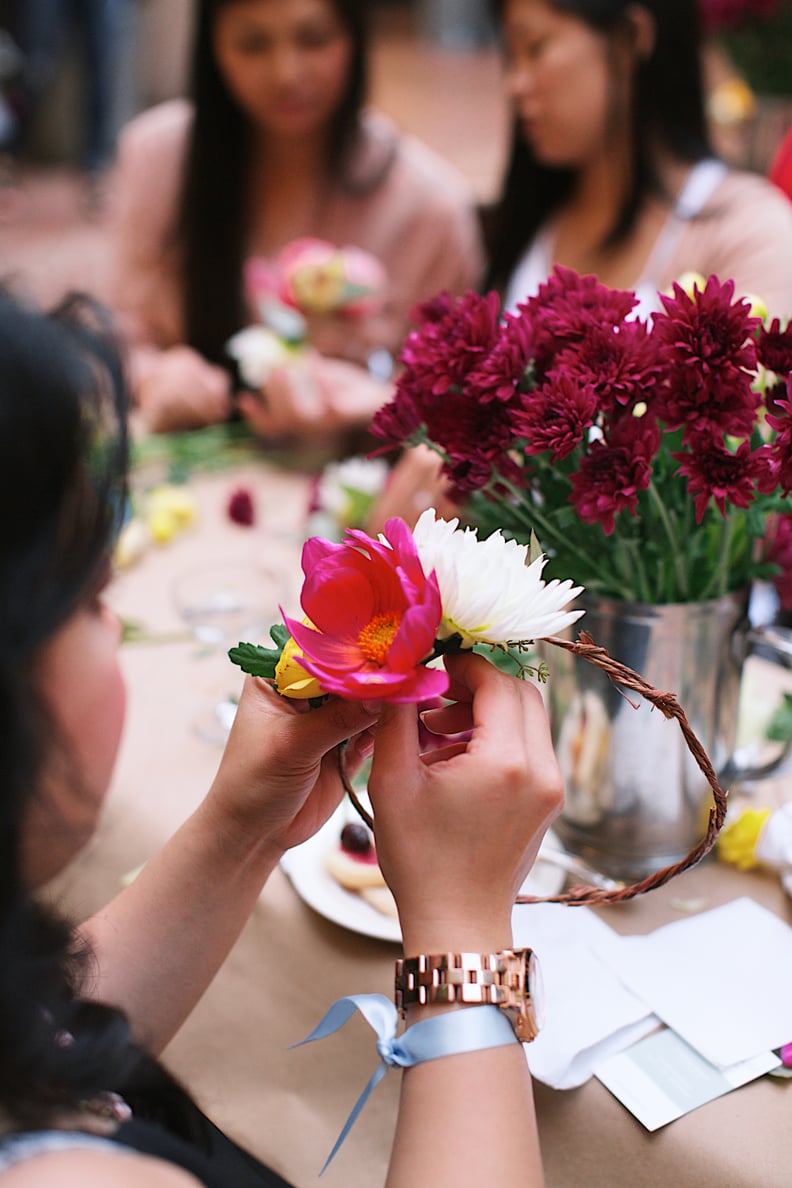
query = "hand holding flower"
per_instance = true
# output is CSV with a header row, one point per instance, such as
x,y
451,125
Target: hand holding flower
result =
x,y
458,829
278,778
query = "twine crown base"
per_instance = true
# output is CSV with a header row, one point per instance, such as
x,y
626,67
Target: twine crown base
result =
x,y
669,707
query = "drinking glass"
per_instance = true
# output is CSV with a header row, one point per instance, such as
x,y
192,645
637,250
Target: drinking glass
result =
x,y
224,603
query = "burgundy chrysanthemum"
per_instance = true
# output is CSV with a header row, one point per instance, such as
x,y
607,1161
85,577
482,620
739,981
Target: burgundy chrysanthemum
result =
x,y
706,406
778,475
499,375
241,508
397,421
714,472
620,364
778,551
710,332
774,348
453,339
556,416
567,307
614,472
475,435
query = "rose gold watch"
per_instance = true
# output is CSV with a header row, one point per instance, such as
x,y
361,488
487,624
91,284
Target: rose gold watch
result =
x,y
510,979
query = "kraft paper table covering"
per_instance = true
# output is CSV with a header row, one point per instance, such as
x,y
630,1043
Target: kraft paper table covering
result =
x,y
291,963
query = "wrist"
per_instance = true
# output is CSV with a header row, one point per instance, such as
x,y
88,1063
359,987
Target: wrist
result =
x,y
238,839
446,935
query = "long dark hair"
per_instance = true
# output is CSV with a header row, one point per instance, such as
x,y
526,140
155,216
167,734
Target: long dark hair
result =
x,y
213,216
668,112
63,453
63,495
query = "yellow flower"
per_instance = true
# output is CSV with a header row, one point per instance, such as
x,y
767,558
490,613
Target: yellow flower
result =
x,y
169,508
131,544
291,679
690,281
737,842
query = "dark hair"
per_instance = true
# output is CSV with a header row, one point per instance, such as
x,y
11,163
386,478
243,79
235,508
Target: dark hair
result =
x,y
63,496
63,458
213,214
668,112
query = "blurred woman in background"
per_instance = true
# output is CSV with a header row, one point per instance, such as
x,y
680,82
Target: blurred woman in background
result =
x,y
276,144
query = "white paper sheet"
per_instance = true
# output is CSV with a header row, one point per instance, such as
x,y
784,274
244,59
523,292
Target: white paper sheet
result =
x,y
722,979
662,1078
589,1012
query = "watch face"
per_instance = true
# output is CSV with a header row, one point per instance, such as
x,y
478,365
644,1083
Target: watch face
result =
x,y
536,990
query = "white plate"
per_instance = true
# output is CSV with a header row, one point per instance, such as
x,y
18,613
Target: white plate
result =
x,y
305,867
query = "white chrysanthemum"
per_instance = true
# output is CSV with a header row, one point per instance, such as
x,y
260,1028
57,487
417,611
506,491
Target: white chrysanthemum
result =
x,y
490,594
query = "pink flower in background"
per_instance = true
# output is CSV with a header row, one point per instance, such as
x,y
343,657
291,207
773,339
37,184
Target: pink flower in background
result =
x,y
374,616
315,277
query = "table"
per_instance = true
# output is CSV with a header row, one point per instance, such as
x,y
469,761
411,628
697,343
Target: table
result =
x,y
290,963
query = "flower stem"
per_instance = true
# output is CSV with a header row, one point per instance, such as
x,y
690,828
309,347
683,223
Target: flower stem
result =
x,y
673,543
546,531
718,585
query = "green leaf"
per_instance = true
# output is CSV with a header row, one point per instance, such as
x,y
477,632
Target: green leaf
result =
x,y
255,660
279,634
780,726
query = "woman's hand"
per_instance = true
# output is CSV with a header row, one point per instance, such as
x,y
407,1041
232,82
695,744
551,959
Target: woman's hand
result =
x,y
181,390
278,779
458,829
416,483
317,395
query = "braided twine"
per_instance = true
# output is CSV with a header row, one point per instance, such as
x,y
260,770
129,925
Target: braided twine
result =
x,y
669,707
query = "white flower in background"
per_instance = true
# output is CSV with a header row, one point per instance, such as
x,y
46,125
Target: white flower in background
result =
x,y
257,350
489,591
345,485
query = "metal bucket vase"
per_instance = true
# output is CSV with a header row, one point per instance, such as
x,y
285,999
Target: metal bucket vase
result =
x,y
636,800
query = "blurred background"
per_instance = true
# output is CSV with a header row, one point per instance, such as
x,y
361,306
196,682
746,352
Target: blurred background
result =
x,y
436,72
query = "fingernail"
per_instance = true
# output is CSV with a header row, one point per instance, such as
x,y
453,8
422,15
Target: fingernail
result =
x,y
372,707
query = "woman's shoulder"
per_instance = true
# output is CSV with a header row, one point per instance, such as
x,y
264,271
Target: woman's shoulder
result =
x,y
748,194
160,130
411,164
94,1166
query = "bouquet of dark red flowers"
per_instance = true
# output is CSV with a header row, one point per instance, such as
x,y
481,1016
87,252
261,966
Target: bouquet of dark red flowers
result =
x,y
648,457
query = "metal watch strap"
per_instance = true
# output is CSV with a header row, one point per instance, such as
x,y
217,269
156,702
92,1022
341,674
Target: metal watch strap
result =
x,y
496,979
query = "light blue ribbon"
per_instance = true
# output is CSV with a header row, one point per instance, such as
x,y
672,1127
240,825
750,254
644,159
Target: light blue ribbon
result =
x,y
449,1034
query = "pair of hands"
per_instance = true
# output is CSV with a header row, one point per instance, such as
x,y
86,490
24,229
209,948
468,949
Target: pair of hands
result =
x,y
457,829
181,390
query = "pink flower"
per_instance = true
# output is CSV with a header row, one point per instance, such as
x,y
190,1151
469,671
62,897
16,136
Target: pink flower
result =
x,y
315,276
374,615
